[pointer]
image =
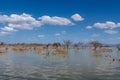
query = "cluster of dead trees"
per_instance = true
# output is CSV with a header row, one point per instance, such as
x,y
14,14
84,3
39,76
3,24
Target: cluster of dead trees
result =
x,y
67,44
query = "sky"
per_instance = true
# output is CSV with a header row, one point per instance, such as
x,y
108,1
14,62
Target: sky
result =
x,y
48,21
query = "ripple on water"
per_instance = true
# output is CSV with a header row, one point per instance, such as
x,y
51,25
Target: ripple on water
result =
x,y
75,65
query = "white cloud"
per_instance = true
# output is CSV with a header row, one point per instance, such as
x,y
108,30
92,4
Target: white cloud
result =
x,y
4,18
41,36
106,25
55,20
8,29
77,17
15,18
111,32
57,34
89,27
3,33
14,22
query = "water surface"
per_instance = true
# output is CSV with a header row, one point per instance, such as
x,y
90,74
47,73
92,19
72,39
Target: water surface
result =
x,y
83,64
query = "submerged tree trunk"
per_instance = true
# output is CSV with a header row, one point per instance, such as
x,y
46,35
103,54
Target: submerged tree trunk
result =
x,y
95,48
67,48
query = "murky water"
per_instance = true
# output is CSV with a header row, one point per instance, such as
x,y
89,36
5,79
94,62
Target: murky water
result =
x,y
83,64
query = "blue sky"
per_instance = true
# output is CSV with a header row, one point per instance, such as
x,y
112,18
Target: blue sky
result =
x,y
47,21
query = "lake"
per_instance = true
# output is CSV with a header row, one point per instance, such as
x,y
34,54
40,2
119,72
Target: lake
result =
x,y
82,64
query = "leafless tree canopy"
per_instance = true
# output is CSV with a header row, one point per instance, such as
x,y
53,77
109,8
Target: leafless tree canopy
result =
x,y
96,44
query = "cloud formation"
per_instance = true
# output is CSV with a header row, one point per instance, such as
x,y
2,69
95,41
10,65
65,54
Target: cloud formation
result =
x,y
89,27
2,33
14,22
8,29
41,36
77,17
111,31
57,34
55,20
108,27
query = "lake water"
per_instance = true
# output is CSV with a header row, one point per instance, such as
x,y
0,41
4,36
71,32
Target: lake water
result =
x,y
83,64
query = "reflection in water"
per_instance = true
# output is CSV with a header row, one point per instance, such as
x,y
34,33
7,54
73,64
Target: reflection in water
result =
x,y
38,63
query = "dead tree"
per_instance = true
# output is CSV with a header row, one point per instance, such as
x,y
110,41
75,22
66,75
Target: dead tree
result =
x,y
96,45
67,43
